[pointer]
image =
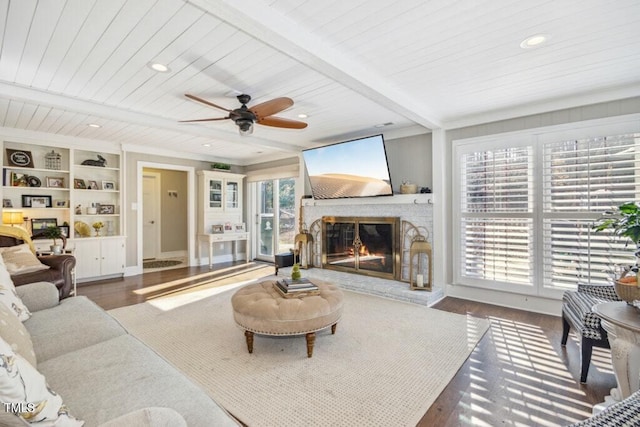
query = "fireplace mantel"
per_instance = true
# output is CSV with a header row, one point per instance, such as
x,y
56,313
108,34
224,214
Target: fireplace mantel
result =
x,y
396,199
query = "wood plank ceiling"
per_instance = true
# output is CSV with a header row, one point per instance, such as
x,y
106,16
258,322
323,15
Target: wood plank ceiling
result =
x,y
348,64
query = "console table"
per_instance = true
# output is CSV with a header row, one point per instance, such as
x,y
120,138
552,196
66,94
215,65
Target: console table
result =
x,y
622,323
211,239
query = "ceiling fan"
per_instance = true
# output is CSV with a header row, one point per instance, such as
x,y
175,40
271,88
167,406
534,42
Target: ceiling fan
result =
x,y
245,116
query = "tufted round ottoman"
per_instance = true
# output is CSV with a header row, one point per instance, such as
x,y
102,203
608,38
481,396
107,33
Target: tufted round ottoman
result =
x,y
260,309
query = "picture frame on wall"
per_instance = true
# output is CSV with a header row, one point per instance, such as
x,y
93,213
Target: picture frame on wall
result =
x,y
7,203
34,201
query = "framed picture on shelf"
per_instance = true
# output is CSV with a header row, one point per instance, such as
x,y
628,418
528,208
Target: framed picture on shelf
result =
x,y
55,182
228,228
106,209
19,158
29,201
108,185
61,203
217,229
64,230
92,185
240,227
39,225
19,179
7,203
79,184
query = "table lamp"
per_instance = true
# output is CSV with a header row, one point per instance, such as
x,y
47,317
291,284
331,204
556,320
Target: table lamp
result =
x,y
12,217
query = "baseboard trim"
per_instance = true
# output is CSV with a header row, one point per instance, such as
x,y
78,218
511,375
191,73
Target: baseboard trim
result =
x,y
531,303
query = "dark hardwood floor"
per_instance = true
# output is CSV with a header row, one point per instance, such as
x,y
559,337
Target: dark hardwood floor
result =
x,y
518,374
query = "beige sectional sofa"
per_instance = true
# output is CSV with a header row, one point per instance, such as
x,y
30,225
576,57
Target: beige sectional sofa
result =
x,y
103,373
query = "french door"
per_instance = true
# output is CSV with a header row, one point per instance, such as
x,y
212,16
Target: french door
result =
x,y
276,217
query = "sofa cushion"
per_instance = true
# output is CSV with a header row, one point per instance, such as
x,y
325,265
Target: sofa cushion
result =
x,y
16,335
20,260
114,377
8,295
23,385
73,324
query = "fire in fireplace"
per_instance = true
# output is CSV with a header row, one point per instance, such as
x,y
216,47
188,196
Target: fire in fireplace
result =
x,y
365,245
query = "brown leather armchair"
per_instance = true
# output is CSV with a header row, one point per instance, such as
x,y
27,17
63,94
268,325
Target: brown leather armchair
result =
x,y
61,268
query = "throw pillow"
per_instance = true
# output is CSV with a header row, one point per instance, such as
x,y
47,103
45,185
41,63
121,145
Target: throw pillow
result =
x,y
20,260
8,295
16,335
24,391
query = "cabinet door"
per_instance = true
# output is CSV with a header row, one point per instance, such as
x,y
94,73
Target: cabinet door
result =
x,y
232,195
214,194
88,258
112,256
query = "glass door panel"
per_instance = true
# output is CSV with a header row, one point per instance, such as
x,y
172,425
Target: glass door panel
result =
x,y
276,217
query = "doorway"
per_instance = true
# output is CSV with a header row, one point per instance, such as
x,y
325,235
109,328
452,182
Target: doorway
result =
x,y
166,224
276,217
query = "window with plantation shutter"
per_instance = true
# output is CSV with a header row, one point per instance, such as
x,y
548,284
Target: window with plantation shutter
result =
x,y
582,179
496,215
526,206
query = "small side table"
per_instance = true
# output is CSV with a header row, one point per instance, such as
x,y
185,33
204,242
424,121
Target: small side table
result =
x,y
622,323
66,251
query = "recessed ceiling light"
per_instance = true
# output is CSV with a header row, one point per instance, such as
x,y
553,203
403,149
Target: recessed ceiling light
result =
x,y
302,116
381,125
156,66
94,125
206,145
534,41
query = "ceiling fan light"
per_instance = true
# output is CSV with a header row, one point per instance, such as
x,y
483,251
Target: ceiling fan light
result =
x,y
245,126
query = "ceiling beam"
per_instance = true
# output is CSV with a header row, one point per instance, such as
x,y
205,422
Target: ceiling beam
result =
x,y
263,23
40,97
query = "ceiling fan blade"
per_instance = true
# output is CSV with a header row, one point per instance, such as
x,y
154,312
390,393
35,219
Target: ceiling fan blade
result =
x,y
203,120
271,107
279,122
204,101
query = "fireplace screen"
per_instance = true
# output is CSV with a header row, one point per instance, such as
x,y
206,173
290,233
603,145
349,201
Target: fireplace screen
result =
x,y
361,244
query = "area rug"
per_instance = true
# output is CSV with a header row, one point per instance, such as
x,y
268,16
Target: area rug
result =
x,y
160,263
385,366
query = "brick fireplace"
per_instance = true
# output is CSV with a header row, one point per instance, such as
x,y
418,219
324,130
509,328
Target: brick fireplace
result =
x,y
410,214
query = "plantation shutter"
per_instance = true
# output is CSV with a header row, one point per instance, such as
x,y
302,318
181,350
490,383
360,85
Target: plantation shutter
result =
x,y
581,180
496,207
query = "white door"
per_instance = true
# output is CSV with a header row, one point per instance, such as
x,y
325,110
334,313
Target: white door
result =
x,y
150,215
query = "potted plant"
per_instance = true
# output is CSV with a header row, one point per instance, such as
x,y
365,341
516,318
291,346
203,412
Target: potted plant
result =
x,y
54,233
625,221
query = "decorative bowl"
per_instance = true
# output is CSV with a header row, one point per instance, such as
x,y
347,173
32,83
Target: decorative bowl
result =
x,y
627,291
408,189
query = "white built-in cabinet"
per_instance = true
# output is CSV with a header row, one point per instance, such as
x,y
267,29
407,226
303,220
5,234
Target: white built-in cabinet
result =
x,y
73,187
98,257
220,213
220,200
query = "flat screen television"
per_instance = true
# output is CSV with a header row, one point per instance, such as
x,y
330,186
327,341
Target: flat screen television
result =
x,y
356,168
